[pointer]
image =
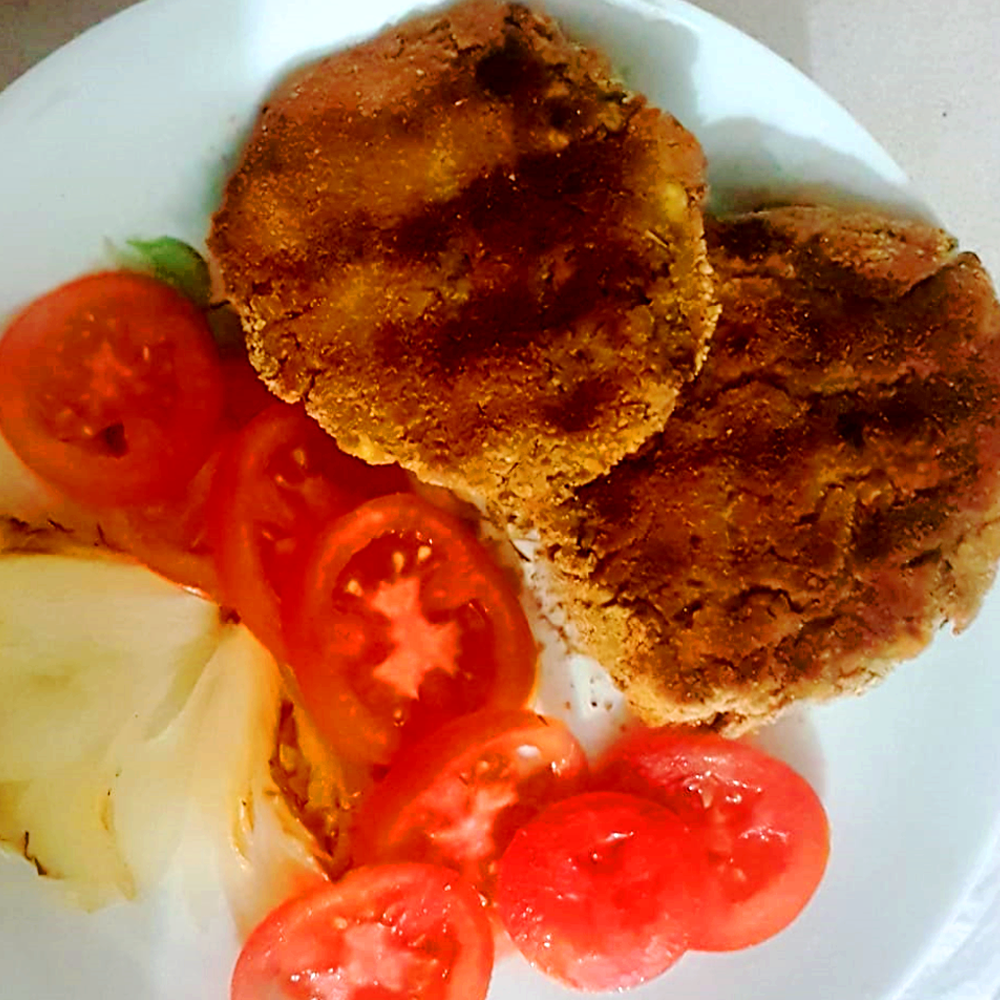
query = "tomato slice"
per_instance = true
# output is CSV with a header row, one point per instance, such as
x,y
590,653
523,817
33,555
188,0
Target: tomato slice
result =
x,y
110,388
762,828
388,931
281,480
171,536
404,622
458,796
600,890
245,394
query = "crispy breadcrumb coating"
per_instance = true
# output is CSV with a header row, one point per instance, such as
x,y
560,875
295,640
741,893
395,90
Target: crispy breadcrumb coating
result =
x,y
826,494
471,250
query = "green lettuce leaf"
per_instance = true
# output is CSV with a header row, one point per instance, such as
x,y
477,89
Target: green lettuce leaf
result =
x,y
178,264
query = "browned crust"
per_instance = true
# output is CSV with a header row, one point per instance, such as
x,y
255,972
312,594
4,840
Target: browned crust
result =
x,y
826,494
472,251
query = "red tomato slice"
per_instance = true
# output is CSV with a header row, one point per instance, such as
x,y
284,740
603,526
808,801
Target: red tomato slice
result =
x,y
762,828
245,394
389,931
458,796
600,890
110,388
171,537
282,479
404,623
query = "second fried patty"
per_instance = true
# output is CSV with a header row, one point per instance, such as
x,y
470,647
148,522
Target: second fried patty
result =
x,y
825,496
470,250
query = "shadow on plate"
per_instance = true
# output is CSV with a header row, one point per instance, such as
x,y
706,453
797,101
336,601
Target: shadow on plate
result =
x,y
755,165
653,55
750,164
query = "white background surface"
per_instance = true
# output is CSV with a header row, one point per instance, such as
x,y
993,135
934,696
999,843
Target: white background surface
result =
x,y
919,74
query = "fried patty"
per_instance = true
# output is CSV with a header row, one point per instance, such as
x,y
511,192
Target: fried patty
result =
x,y
471,250
826,493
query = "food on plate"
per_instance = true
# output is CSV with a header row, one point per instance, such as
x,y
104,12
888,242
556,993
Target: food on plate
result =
x,y
825,495
679,841
171,536
761,827
601,890
402,622
140,718
467,248
458,797
279,483
817,500
385,931
129,399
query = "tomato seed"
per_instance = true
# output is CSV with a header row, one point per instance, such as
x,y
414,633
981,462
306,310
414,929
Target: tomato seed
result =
x,y
115,440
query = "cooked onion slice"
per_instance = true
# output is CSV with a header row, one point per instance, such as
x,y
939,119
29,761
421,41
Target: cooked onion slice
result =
x,y
134,723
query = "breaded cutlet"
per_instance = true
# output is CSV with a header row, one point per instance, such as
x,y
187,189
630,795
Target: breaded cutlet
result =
x,y
826,494
471,250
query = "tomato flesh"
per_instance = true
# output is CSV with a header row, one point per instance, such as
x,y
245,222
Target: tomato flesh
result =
x,y
245,394
458,796
171,536
110,388
600,890
762,829
389,931
282,479
403,623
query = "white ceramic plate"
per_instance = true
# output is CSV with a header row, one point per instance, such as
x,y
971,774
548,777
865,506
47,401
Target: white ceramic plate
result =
x,y
130,130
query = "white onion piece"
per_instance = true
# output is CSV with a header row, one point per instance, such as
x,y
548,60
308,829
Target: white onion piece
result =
x,y
96,658
260,851
89,648
136,728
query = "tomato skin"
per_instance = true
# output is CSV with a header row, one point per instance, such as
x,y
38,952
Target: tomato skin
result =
x,y
600,891
279,482
127,404
171,536
378,932
764,832
342,635
458,796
